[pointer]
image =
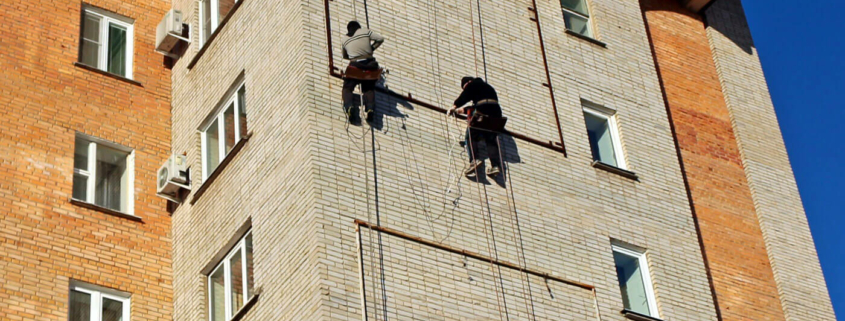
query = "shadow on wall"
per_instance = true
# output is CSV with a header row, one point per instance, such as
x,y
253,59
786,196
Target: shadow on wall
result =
x,y
724,16
387,107
728,18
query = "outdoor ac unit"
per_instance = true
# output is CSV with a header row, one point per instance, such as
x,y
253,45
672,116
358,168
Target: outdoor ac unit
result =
x,y
169,33
172,178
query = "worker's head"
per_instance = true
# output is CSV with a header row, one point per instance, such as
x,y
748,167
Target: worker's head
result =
x,y
351,27
466,80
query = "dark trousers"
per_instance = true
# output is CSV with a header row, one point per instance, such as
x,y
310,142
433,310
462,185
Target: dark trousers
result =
x,y
367,86
474,136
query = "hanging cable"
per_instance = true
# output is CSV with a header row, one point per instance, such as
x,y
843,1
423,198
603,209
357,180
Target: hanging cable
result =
x,y
520,251
490,250
481,33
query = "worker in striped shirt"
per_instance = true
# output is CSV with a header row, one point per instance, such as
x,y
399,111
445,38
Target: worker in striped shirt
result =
x,y
358,48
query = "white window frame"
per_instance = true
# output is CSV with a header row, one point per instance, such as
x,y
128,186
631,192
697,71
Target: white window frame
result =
x,y
221,130
640,255
215,19
107,18
588,17
610,116
127,195
98,293
227,280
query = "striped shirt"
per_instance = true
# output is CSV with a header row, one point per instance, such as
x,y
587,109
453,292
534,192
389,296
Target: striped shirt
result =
x,y
361,45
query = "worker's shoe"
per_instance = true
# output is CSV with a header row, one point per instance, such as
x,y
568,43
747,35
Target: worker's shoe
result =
x,y
352,115
473,168
493,171
371,115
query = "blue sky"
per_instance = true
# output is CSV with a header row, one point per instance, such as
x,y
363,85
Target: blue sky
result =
x,y
803,53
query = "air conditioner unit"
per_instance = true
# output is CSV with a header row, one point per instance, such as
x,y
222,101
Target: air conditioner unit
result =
x,y
172,178
170,32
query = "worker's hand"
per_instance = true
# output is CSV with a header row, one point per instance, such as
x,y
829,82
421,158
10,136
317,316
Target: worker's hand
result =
x,y
455,110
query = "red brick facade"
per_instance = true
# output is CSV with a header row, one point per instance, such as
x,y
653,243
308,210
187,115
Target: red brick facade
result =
x,y
45,241
733,243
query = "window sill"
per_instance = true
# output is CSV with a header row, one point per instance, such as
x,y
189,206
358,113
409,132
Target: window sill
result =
x,y
247,306
105,210
211,178
106,73
588,39
214,34
638,316
616,170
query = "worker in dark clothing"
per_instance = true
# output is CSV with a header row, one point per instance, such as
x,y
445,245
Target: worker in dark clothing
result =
x,y
485,101
359,50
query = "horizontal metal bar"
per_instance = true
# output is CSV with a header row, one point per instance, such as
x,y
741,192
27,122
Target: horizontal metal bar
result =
x,y
471,254
549,144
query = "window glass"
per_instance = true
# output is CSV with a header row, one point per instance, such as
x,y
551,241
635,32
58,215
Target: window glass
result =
x,y
601,140
206,20
577,24
242,110
212,148
117,50
111,167
106,42
579,6
236,274
231,284
91,40
112,310
229,127
80,306
80,187
217,294
631,283
249,269
80,154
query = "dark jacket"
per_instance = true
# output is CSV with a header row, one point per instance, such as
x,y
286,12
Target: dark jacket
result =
x,y
478,90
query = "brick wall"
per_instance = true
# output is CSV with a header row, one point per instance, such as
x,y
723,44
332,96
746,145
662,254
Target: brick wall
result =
x,y
730,232
46,241
790,247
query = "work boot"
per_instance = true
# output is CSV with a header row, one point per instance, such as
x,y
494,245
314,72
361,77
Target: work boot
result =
x,y
473,167
352,115
493,171
371,115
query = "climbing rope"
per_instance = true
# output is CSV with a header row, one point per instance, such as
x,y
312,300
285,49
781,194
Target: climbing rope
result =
x,y
490,249
520,251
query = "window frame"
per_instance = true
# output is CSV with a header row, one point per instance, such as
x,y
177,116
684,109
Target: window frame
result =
x,y
106,19
613,126
90,173
589,17
642,259
97,294
225,264
219,116
215,19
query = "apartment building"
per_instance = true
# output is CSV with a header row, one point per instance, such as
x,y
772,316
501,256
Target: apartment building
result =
x,y
85,118
645,177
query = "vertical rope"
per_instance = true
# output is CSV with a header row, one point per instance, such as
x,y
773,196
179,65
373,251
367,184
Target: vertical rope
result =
x,y
520,251
481,32
486,235
474,46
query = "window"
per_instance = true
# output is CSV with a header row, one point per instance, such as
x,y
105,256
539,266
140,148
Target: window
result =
x,y
604,136
212,13
230,284
576,15
103,174
106,42
94,303
634,281
223,131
